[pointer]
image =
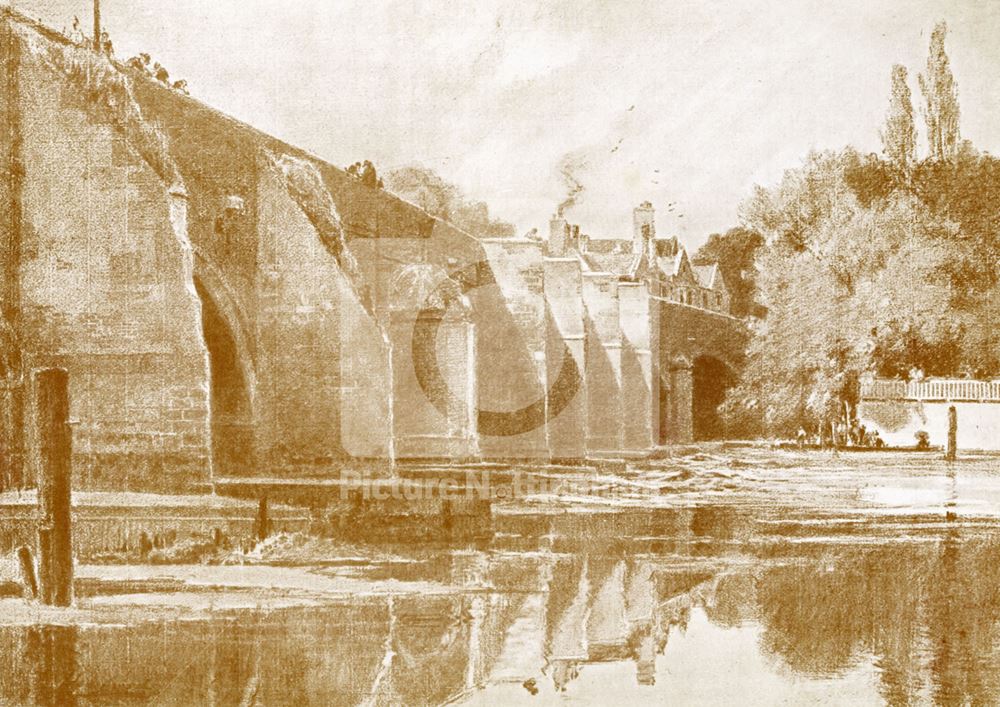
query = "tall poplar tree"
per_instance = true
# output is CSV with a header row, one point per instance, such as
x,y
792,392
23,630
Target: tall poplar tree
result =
x,y
940,99
899,136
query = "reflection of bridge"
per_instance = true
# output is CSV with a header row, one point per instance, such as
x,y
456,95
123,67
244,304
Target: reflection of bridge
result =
x,y
509,620
224,300
404,648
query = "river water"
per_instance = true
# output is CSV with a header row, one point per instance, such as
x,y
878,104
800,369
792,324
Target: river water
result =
x,y
737,577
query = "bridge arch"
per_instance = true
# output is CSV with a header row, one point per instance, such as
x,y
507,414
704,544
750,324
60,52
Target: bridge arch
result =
x,y
711,378
231,379
212,281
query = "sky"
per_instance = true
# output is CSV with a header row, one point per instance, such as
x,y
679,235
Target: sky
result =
x,y
690,102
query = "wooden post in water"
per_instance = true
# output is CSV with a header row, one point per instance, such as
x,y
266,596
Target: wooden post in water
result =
x,y
50,455
27,571
952,433
262,525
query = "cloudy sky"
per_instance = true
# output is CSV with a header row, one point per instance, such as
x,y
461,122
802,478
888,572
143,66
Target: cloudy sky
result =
x,y
686,101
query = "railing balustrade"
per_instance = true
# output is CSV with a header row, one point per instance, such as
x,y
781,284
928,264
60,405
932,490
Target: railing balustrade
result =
x,y
931,389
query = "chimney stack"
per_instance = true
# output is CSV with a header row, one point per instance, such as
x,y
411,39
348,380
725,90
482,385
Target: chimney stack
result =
x,y
645,228
559,234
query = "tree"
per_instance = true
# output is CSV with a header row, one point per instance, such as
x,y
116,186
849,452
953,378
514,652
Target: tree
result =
x,y
940,99
967,189
837,278
899,136
863,273
425,188
735,251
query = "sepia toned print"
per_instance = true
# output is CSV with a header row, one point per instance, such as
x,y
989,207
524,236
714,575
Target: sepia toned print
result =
x,y
422,354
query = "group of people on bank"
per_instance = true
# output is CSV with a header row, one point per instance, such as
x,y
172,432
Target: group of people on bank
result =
x,y
840,433
141,62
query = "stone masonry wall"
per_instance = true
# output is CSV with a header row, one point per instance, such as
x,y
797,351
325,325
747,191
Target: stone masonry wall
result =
x,y
518,270
603,362
898,421
685,334
318,367
105,294
636,366
297,407
567,429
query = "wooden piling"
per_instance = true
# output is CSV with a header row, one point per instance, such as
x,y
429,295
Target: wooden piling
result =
x,y
447,516
28,578
145,544
45,588
262,525
50,458
952,434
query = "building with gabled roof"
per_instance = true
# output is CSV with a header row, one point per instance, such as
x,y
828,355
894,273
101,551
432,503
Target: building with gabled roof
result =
x,y
715,294
662,262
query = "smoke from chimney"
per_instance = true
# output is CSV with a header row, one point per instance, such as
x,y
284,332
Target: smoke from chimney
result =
x,y
569,168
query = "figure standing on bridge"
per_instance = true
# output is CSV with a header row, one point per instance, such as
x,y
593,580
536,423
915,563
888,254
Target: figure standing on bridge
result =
x,y
368,175
140,63
107,48
76,34
160,73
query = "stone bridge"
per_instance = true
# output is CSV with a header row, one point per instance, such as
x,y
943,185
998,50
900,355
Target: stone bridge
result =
x,y
701,354
229,304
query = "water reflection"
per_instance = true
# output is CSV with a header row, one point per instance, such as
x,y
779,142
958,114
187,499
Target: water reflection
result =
x,y
921,616
51,677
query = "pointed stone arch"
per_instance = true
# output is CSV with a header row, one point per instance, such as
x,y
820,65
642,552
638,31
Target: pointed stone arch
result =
x,y
232,381
711,377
